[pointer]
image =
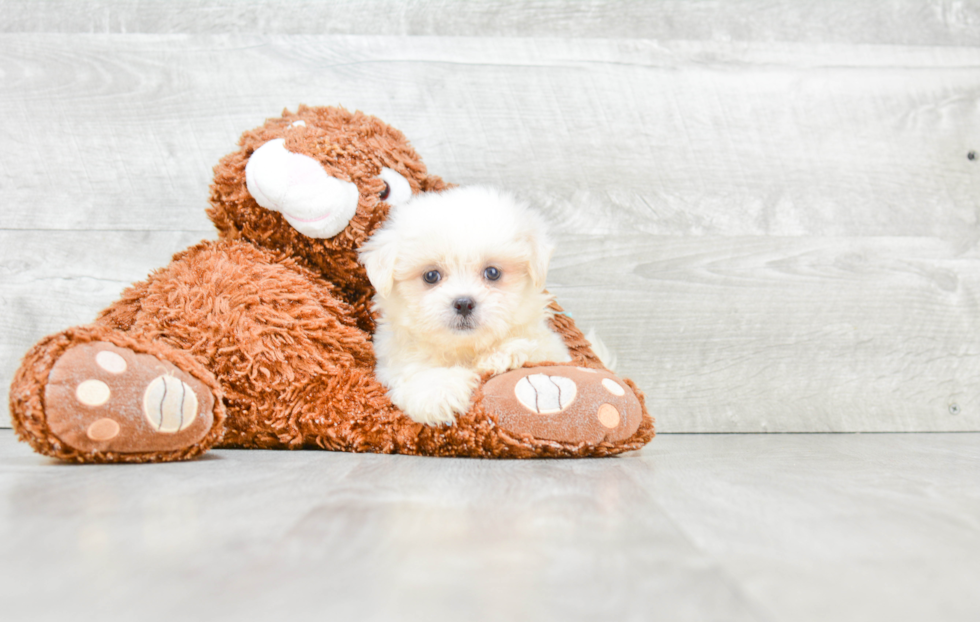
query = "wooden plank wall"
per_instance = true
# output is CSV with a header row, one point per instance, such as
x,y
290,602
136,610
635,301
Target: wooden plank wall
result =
x,y
766,208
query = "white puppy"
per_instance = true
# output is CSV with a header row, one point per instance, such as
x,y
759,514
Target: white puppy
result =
x,y
460,288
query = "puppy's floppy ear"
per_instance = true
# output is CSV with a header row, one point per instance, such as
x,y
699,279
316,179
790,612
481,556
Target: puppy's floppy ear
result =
x,y
541,248
378,255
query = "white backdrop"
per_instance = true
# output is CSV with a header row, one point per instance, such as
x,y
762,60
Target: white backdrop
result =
x,y
766,208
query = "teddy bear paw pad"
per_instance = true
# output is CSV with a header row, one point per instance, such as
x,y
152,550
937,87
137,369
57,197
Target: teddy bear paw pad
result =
x,y
100,397
562,403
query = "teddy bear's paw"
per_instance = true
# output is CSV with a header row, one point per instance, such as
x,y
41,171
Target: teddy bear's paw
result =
x,y
564,403
103,398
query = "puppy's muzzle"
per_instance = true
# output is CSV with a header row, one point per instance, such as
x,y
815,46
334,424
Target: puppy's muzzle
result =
x,y
464,306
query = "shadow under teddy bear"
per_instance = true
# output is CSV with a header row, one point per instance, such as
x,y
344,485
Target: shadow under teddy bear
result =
x,y
262,339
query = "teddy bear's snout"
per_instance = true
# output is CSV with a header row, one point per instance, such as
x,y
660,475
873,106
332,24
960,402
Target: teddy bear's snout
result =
x,y
296,186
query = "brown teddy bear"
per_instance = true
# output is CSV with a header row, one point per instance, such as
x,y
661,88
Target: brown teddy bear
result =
x,y
263,338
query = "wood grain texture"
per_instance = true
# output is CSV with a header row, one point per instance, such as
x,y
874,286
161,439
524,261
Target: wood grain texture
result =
x,y
685,138
785,334
805,211
695,527
904,22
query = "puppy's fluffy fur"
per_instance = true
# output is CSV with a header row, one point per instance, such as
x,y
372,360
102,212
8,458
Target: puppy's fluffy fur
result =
x,y
460,290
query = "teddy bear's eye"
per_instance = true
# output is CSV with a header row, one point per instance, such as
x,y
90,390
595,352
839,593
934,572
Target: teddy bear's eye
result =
x,y
397,189
431,277
491,274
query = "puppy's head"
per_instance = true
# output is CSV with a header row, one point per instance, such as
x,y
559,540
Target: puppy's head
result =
x,y
463,265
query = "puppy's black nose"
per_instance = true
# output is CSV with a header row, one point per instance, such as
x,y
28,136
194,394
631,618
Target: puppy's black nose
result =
x,y
464,306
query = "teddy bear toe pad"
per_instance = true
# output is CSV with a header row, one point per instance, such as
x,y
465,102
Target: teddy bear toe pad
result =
x,y
100,397
565,404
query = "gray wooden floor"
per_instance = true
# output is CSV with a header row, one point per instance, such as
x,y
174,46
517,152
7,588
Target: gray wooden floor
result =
x,y
766,208
695,527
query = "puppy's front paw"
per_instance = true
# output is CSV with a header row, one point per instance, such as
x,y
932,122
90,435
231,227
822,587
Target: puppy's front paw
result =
x,y
435,396
499,362
510,355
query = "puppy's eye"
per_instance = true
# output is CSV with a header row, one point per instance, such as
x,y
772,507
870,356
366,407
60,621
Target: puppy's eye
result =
x,y
491,274
431,277
386,191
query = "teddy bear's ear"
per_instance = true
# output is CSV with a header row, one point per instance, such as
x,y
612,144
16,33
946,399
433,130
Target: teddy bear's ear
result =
x,y
296,186
379,255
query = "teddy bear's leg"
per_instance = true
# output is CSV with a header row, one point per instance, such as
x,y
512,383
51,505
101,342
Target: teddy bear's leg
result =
x,y
94,394
566,410
566,404
294,368
546,411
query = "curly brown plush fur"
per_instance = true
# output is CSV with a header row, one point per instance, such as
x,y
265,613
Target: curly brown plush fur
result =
x,y
278,326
